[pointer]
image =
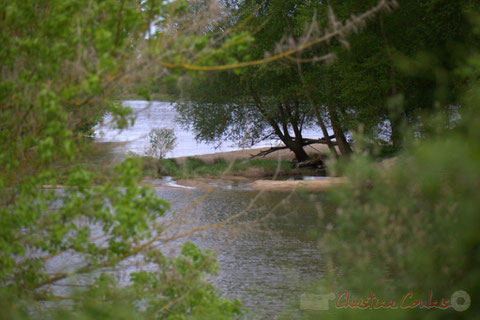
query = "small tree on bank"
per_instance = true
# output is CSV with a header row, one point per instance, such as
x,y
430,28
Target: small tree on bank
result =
x,y
162,141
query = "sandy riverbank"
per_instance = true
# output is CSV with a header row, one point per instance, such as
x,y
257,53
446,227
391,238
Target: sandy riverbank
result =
x,y
316,185
247,153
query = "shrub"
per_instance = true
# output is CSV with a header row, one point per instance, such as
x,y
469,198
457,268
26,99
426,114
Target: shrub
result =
x,y
162,141
412,227
193,163
167,167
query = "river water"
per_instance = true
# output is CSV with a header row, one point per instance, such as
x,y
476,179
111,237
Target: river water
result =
x,y
266,255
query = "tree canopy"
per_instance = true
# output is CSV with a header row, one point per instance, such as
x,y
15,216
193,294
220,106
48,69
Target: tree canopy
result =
x,y
274,99
399,64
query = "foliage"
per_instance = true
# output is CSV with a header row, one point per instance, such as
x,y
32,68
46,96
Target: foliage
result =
x,y
62,64
269,100
399,68
63,61
162,141
412,227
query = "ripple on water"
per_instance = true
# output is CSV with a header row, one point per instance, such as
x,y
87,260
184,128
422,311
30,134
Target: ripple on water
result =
x,y
268,263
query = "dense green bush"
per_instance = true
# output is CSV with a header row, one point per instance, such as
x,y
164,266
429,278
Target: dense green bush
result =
x,y
167,167
62,63
412,226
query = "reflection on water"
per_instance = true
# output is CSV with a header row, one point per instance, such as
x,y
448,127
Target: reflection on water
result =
x,y
266,257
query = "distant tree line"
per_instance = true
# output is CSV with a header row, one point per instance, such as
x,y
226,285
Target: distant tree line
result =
x,y
397,67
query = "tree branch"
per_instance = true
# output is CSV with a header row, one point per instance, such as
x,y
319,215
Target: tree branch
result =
x,y
306,142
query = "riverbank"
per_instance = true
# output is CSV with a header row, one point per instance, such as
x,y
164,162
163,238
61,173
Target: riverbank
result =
x,y
269,173
275,172
311,185
245,154
239,163
219,168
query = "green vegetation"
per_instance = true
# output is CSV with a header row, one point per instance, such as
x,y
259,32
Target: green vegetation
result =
x,y
385,76
194,167
152,96
410,227
63,63
279,99
162,141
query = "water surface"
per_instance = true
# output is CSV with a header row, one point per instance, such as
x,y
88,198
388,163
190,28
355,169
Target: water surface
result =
x,y
267,257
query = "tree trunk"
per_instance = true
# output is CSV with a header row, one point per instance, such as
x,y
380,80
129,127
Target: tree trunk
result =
x,y
396,117
396,123
330,145
339,134
297,148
